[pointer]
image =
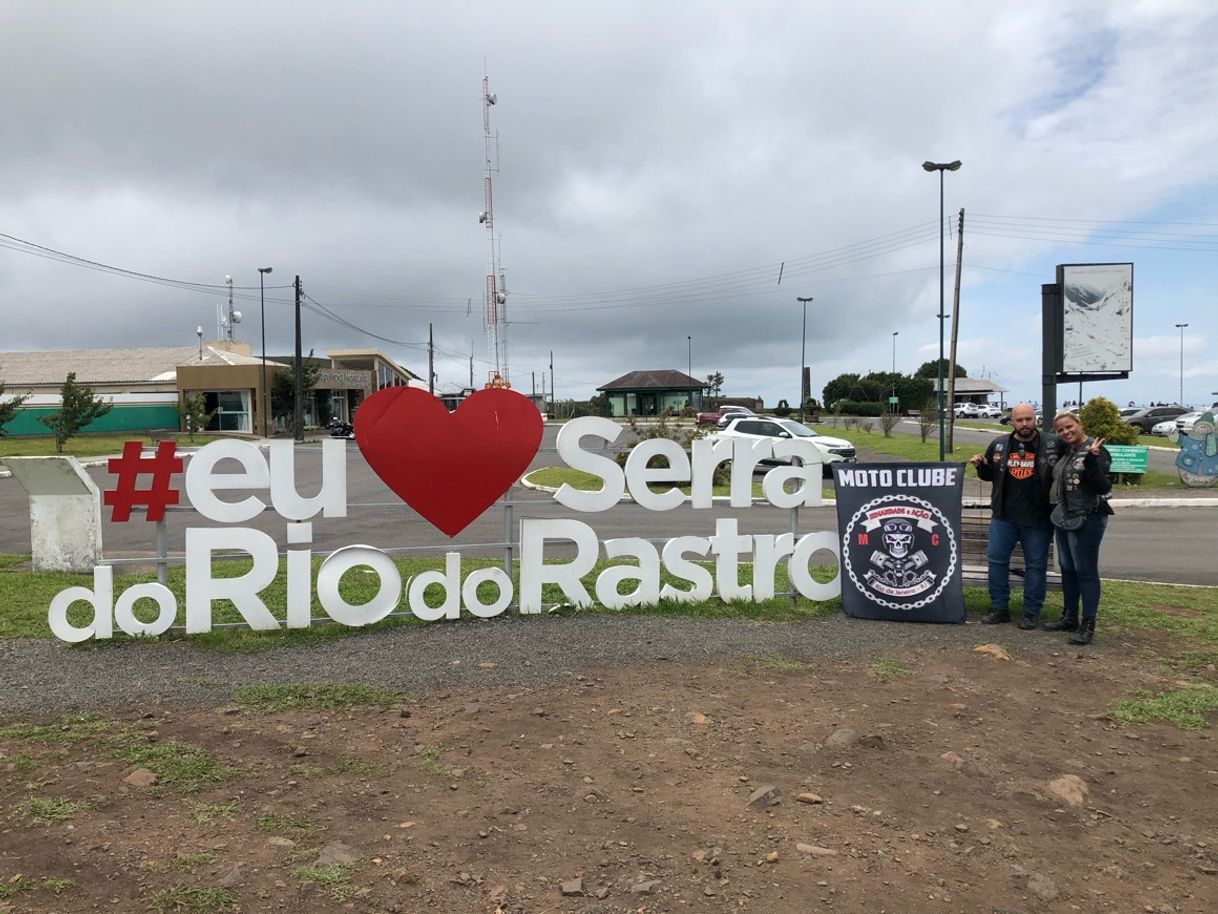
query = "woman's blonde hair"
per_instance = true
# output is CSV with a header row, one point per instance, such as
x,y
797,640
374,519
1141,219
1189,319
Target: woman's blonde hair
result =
x,y
1066,414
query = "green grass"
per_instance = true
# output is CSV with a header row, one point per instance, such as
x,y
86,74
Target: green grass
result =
x,y
299,826
1190,612
181,899
51,810
316,697
353,764
335,879
19,764
178,765
1185,708
72,728
432,764
886,670
25,597
90,445
193,860
206,813
767,665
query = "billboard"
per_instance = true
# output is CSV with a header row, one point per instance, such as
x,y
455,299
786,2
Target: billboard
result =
x,y
1097,317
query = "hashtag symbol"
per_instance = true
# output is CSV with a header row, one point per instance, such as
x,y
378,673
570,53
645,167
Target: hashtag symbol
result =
x,y
130,467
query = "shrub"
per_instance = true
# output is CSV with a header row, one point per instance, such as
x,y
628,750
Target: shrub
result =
x,y
859,408
783,409
1101,418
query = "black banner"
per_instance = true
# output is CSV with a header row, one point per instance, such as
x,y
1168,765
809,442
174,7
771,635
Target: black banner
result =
x,y
900,530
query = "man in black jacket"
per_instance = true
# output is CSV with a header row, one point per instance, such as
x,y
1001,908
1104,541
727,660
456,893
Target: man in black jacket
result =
x,y
1020,466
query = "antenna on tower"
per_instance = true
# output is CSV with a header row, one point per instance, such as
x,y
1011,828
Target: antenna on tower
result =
x,y
495,312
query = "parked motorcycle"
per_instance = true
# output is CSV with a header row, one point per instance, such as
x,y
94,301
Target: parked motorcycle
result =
x,y
340,429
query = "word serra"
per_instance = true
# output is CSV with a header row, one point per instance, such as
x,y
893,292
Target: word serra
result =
x,y
231,482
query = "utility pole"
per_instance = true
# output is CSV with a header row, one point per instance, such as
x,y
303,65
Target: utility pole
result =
x,y
431,361
298,412
951,379
533,374
553,403
471,372
804,387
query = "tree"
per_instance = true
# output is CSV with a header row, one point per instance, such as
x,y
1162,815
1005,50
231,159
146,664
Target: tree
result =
x,y
928,417
852,387
931,370
195,414
715,382
78,408
9,410
283,390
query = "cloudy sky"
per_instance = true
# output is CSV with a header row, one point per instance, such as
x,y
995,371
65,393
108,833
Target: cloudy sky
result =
x,y
658,163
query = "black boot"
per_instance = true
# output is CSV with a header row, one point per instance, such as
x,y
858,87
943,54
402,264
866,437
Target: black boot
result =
x,y
997,617
1027,622
1086,631
1067,623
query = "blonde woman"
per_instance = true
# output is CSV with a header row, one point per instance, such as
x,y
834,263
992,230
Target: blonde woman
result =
x,y
1081,484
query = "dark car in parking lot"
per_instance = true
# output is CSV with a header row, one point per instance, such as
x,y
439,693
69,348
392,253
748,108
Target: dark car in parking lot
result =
x,y
1147,418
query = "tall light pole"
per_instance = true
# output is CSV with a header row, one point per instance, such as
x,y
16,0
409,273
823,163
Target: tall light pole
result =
x,y
262,407
941,167
803,358
689,363
894,368
1181,327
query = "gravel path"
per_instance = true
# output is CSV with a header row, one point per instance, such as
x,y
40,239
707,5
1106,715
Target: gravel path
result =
x,y
46,677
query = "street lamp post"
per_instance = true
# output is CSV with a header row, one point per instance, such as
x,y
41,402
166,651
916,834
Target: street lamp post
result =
x,y
689,362
894,367
1181,327
262,271
941,167
803,359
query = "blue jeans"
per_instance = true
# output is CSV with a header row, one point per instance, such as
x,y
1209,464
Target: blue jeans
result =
x,y
1035,542
1078,554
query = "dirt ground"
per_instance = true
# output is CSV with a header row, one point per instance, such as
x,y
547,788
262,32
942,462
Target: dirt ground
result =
x,y
950,781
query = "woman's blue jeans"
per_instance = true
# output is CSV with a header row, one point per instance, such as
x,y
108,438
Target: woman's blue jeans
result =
x,y
1078,554
1035,542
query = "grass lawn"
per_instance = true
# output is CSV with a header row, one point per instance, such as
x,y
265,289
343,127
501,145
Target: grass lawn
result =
x,y
89,445
1190,613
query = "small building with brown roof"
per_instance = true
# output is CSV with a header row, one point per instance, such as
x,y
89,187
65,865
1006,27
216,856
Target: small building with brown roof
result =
x,y
649,393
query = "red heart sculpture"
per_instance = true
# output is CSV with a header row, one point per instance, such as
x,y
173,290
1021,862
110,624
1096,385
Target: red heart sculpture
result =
x,y
450,467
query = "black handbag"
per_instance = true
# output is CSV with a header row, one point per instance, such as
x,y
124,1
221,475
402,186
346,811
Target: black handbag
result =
x,y
1063,521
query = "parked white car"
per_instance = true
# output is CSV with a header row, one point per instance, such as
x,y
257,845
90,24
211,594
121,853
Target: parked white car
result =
x,y
976,411
1163,429
1185,423
832,450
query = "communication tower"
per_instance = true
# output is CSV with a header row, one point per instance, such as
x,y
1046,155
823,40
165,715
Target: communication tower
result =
x,y
494,316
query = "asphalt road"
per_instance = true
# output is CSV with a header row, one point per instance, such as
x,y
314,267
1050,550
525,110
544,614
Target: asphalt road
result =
x,y
1170,545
